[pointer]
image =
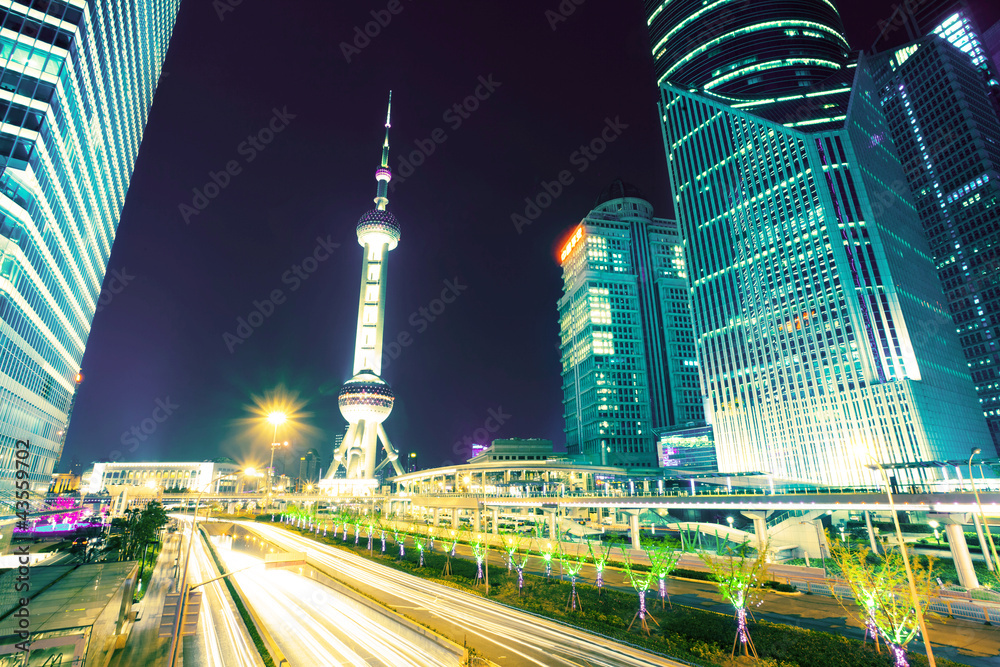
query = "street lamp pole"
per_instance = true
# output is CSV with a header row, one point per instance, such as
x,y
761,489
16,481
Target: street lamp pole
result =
x,y
276,419
906,563
982,516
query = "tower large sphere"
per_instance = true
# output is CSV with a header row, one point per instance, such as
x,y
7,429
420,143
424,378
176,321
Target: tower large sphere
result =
x,y
366,397
377,227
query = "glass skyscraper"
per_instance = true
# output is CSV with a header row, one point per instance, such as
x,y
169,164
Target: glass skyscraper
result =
x,y
745,49
935,97
76,84
628,355
810,274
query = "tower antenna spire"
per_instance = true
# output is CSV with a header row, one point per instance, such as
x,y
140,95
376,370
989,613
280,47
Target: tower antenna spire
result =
x,y
383,173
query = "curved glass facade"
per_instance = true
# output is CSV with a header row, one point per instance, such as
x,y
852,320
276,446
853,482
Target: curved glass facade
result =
x,y
76,84
745,49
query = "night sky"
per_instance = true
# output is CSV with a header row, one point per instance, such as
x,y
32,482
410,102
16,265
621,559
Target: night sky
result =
x,y
184,276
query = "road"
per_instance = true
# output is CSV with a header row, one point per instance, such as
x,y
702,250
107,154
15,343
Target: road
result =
x,y
313,625
506,636
222,638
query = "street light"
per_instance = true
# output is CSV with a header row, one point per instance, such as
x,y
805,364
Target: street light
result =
x,y
934,525
982,516
906,563
276,419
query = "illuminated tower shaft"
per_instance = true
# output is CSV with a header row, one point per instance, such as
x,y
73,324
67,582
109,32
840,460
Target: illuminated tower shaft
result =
x,y
366,400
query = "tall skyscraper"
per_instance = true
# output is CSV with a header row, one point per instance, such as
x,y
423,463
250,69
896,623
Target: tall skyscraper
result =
x,y
627,349
77,85
939,114
810,275
308,468
745,49
366,400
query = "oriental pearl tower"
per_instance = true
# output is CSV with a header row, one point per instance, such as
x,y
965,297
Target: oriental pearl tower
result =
x,y
366,400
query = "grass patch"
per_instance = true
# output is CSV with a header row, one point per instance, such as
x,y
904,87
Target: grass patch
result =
x,y
152,553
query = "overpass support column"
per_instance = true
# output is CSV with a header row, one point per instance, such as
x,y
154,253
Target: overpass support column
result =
x,y
954,527
454,518
553,525
479,519
496,521
437,514
759,519
633,523
871,533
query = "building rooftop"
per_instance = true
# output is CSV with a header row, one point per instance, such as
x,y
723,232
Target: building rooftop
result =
x,y
65,596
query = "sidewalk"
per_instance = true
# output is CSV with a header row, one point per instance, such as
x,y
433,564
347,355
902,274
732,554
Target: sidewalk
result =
x,y
144,647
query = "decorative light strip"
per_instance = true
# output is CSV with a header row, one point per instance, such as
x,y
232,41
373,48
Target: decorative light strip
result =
x,y
691,18
816,121
748,30
771,64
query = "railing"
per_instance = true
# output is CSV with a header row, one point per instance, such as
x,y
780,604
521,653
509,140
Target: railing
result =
x,y
782,516
673,493
946,603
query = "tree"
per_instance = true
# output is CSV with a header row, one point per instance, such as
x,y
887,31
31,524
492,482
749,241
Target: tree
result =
x,y
419,541
400,541
881,589
546,553
369,528
381,532
600,558
572,566
520,560
452,540
740,579
640,582
479,551
663,560
511,543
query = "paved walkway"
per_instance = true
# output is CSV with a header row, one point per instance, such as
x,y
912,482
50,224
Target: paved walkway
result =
x,y
144,647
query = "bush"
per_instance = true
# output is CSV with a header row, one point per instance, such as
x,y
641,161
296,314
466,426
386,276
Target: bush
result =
x,y
778,586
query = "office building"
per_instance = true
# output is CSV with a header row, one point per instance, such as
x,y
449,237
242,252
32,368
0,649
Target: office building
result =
x,y
309,468
810,275
628,355
77,84
745,49
947,136
217,476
